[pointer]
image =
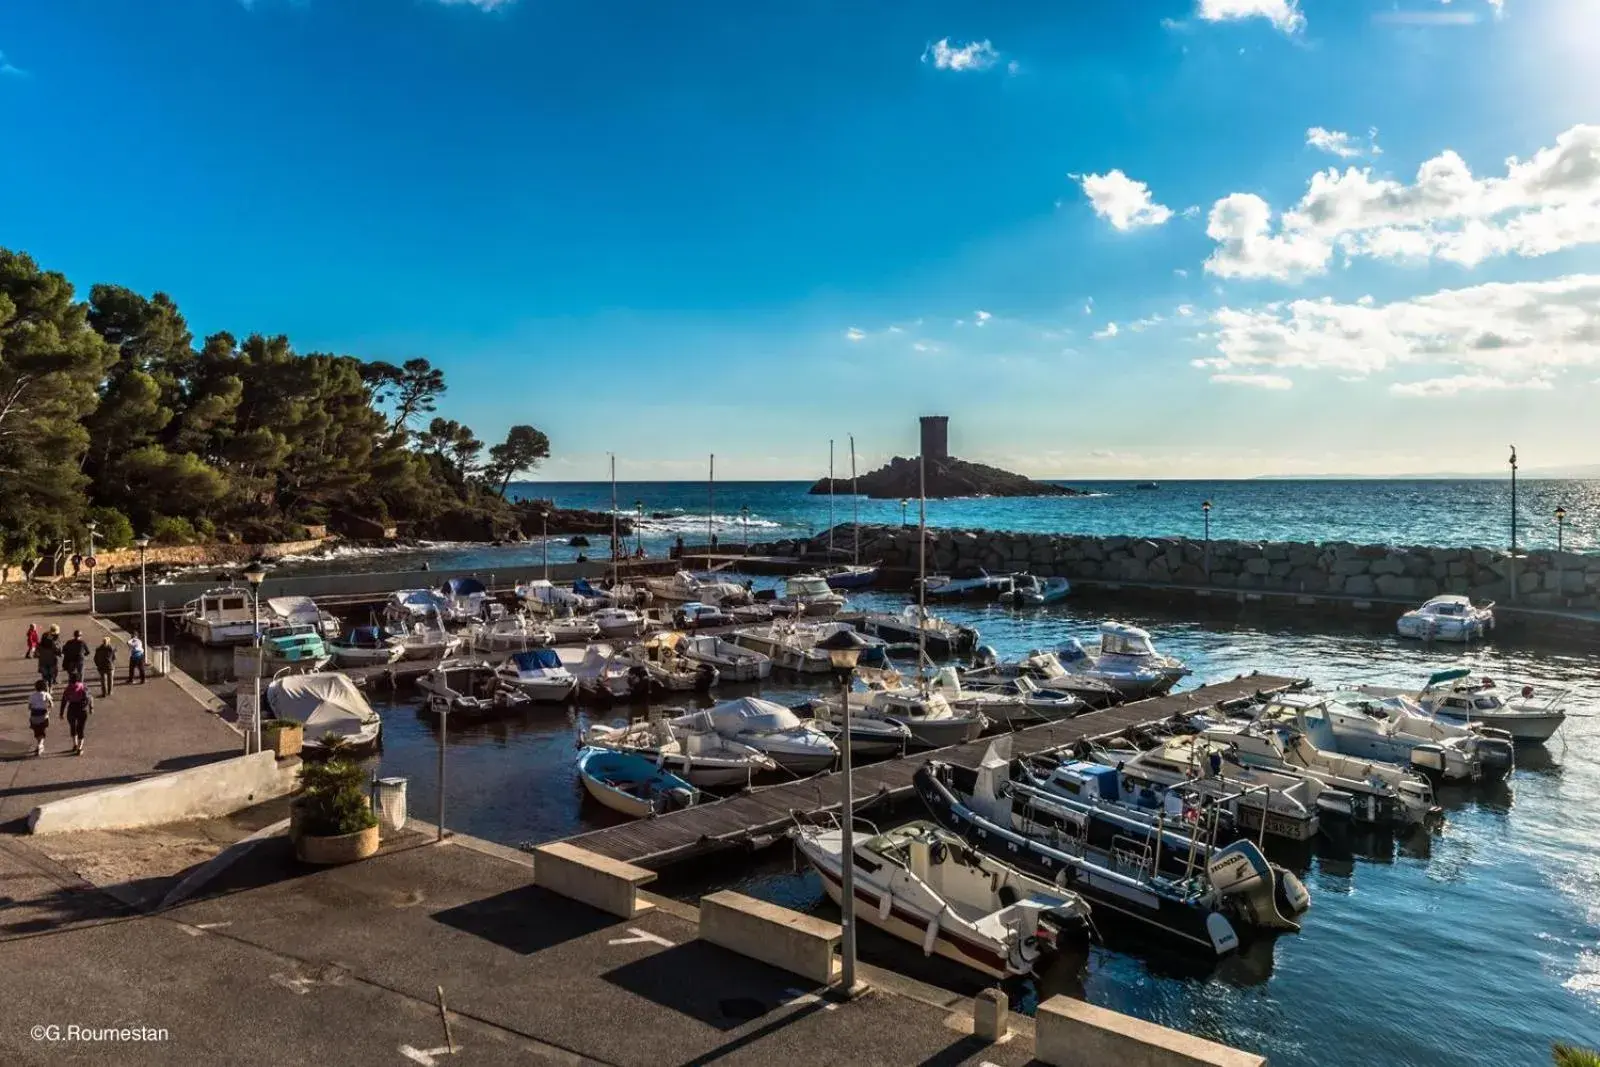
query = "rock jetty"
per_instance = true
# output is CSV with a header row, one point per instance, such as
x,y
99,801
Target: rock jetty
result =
x,y
946,478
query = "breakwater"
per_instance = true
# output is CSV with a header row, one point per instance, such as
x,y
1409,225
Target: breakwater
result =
x,y
1541,578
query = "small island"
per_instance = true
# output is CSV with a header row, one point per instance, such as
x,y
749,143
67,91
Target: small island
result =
x,y
945,476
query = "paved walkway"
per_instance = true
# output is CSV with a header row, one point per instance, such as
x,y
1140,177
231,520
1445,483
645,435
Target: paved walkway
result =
x,y
138,731
284,964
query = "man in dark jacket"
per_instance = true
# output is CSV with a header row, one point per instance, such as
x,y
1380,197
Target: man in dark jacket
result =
x,y
105,661
74,654
49,656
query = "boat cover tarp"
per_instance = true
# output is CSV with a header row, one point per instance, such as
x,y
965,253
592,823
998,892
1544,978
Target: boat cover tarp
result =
x,y
365,637
583,588
1451,675
322,703
536,659
752,714
301,610
462,587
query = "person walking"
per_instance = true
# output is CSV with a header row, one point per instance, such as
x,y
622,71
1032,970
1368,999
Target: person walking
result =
x,y
76,706
135,659
39,714
49,656
77,563
32,639
105,661
74,654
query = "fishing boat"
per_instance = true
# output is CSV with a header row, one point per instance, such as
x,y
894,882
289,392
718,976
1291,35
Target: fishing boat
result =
x,y
424,642
1040,672
734,663
474,689
302,611
619,622
1396,730
1447,618
1530,715
468,598
692,750
667,668
915,625
932,722
1201,896
539,673
809,594
799,747
506,633
925,885
366,646
851,576
328,706
632,785
294,647
220,617
1030,591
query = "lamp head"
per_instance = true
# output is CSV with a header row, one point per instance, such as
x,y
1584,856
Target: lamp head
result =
x,y
1561,514
255,574
844,647
1205,506
141,542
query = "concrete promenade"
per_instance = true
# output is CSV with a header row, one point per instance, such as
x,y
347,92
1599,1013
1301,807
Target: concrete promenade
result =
x,y
138,731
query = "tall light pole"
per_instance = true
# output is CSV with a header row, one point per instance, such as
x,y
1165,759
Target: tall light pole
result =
x,y
744,519
638,524
1205,511
142,543
544,537
1513,522
904,503
91,527
255,574
844,650
1561,522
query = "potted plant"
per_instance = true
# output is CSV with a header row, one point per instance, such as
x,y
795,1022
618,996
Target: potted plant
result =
x,y
331,821
282,737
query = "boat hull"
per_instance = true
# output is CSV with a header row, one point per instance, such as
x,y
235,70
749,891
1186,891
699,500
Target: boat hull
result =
x,y
365,657
1523,728
941,733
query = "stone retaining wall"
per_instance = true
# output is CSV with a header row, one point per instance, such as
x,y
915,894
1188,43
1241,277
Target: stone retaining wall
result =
x,y
1544,578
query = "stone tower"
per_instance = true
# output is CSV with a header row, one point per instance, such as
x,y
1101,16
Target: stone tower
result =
x,y
936,437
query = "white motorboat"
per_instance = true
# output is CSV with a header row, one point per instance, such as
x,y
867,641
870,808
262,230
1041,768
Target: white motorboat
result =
x,y
693,751
869,738
1032,591
809,594
571,629
407,606
468,598
505,634
366,646
1127,661
601,676
1024,705
1447,618
933,723
220,617
539,673
328,706
684,587
1397,730
552,597
799,747
1529,715
945,587
1044,672
668,669
472,688
927,886
917,626
787,645
424,642
734,663
301,611
619,622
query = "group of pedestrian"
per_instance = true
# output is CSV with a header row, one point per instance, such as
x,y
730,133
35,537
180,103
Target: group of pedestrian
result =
x,y
72,656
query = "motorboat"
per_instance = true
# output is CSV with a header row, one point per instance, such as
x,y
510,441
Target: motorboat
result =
x,y
539,673
571,629
1201,896
424,642
631,784
799,747
1530,715
788,647
932,722
851,576
466,687
551,597
1382,794
1029,591
927,886
668,669
809,594
1127,661
407,606
366,646
612,594
507,633
916,626
984,586
734,663
1447,618
692,750
694,615
1043,672
869,738
1024,705
619,622
294,647
1397,730
330,708
468,598
601,676
302,611
221,617
684,587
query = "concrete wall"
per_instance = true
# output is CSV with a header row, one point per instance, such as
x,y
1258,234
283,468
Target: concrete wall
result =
x,y
802,944
1071,1033
607,884
196,793
1544,578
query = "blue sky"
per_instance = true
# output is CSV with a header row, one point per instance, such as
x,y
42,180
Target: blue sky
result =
x,y
668,230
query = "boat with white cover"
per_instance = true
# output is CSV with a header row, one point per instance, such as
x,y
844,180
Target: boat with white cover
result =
x,y
692,750
734,663
1447,618
302,611
539,673
798,746
407,606
933,723
472,688
552,597
631,784
668,669
684,587
925,885
220,617
1530,715
326,704
619,622
506,633
809,594
1397,730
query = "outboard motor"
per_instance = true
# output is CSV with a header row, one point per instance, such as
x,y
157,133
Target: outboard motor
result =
x,y
985,656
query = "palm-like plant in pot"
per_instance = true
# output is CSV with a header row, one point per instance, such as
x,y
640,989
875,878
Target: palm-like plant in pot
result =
x,y
331,820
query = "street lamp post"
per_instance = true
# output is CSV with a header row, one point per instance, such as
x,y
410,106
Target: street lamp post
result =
x,y
1561,522
143,543
1513,462
744,520
544,537
638,524
1205,511
255,574
903,504
844,649
91,527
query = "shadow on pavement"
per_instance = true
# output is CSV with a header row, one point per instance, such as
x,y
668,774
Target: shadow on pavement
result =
x,y
507,919
719,988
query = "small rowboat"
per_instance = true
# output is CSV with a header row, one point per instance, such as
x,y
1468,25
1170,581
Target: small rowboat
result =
x,y
631,784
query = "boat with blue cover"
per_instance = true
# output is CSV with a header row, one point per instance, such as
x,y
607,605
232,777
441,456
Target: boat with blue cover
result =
x,y
632,784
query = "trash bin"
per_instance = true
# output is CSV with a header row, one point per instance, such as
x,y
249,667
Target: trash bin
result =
x,y
389,799
158,660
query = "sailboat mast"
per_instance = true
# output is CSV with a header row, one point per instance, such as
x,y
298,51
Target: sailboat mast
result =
x,y
711,506
830,500
922,571
614,541
855,502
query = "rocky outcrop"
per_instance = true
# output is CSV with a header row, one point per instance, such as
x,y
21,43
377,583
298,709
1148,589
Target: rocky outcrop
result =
x,y
944,478
566,520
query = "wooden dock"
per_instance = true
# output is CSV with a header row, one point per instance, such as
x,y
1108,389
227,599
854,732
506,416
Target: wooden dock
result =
x,y
757,816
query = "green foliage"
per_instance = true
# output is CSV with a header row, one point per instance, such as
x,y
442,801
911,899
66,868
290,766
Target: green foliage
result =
x,y
333,799
171,530
1572,1056
523,449
113,530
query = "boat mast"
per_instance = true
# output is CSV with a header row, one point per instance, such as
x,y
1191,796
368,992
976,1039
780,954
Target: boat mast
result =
x,y
614,541
855,502
830,500
922,572
711,506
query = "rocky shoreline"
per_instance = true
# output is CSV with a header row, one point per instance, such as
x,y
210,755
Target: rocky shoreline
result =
x,y
945,478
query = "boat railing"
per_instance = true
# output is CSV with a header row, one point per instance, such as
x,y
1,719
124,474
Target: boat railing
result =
x,y
828,819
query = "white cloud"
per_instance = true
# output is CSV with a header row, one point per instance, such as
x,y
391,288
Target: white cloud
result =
x,y
854,334
1499,8
1013,68
1180,272
481,5
981,317
1185,310
1546,203
975,55
1284,14
1109,331
1254,381
1088,306
1120,200
1465,383
1336,142
7,68
1141,325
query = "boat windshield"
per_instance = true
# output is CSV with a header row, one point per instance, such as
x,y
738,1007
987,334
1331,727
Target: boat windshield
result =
x,y
1448,609
1125,642
535,659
